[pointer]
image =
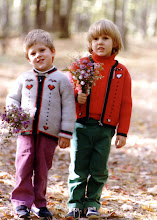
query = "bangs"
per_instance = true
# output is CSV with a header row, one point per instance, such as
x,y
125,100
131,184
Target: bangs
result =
x,y
107,28
37,36
99,30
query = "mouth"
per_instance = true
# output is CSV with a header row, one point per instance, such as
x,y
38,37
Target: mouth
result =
x,y
40,61
100,48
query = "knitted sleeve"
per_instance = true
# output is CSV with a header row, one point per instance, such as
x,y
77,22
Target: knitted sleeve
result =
x,y
14,95
68,108
126,107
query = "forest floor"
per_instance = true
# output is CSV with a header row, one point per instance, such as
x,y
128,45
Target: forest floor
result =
x,y
131,189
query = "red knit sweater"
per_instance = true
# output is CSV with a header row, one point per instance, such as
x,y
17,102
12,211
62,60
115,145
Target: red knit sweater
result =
x,y
110,99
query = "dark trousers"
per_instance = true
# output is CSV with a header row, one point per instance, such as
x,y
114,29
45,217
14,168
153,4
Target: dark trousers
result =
x,y
33,160
88,169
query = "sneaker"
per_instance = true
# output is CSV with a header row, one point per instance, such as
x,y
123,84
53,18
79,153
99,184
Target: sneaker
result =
x,y
74,213
42,212
92,212
23,212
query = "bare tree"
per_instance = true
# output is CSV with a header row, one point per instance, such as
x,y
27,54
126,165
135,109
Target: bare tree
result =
x,y
4,24
115,7
61,21
56,25
24,15
119,19
123,23
41,7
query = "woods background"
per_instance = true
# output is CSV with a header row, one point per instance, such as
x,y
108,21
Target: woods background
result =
x,y
131,189
64,17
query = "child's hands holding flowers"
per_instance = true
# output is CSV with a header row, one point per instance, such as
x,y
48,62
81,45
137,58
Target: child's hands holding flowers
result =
x,y
81,98
84,74
13,120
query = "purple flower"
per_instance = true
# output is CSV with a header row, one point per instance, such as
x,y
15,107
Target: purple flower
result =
x,y
80,77
82,67
83,72
85,61
15,119
90,64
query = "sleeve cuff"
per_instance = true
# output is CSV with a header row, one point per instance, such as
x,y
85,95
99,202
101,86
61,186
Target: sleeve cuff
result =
x,y
65,134
122,134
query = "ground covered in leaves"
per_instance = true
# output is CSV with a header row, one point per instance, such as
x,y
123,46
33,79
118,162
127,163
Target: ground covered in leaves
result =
x,y
131,191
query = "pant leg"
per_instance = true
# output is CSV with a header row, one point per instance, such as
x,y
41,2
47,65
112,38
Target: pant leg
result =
x,y
23,193
45,148
79,167
98,165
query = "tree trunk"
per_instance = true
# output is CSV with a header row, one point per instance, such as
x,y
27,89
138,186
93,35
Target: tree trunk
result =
x,y
123,24
25,15
41,6
61,21
5,24
144,18
56,26
65,20
115,11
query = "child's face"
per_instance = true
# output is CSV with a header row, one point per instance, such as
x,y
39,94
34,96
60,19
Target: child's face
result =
x,y
102,45
41,57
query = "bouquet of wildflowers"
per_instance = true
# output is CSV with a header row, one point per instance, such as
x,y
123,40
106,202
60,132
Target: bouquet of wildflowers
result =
x,y
13,120
85,73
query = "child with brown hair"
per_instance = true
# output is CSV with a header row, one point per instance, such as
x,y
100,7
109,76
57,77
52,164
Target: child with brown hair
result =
x,y
48,96
107,107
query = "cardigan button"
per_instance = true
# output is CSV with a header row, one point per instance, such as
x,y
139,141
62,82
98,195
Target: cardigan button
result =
x,y
80,114
109,120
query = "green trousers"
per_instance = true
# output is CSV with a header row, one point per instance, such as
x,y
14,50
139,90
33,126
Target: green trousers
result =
x,y
88,171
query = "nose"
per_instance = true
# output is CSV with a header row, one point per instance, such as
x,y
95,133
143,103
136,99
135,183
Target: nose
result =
x,y
38,54
100,40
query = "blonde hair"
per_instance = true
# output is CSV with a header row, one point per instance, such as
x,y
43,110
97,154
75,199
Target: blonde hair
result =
x,y
37,36
105,27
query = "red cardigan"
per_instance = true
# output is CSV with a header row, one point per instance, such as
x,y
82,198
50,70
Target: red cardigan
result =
x,y
110,100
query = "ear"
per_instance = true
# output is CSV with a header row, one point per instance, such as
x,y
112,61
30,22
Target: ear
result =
x,y
53,53
29,61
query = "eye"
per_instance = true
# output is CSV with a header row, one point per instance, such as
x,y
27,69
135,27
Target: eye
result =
x,y
42,49
105,37
32,54
95,38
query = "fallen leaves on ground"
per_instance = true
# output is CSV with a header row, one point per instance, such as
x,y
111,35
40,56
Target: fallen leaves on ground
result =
x,y
131,191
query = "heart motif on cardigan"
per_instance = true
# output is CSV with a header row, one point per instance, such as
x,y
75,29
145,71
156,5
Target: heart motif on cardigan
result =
x,y
29,86
51,87
45,127
119,75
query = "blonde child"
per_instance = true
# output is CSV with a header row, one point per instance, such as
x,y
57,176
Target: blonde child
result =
x,y
48,95
106,108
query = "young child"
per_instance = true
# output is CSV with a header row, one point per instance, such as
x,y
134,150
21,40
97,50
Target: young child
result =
x,y
48,95
108,106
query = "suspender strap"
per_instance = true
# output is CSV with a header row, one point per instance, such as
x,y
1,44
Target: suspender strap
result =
x,y
107,92
88,97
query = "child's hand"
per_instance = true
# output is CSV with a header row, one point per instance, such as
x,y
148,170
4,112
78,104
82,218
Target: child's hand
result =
x,y
81,98
63,142
120,141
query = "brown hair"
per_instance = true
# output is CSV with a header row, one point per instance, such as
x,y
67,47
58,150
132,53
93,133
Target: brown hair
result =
x,y
105,27
37,36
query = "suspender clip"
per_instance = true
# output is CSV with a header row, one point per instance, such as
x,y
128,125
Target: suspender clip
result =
x,y
100,123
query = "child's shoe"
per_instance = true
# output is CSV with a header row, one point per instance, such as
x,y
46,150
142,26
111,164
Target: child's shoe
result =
x,y
42,212
23,212
92,212
74,213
